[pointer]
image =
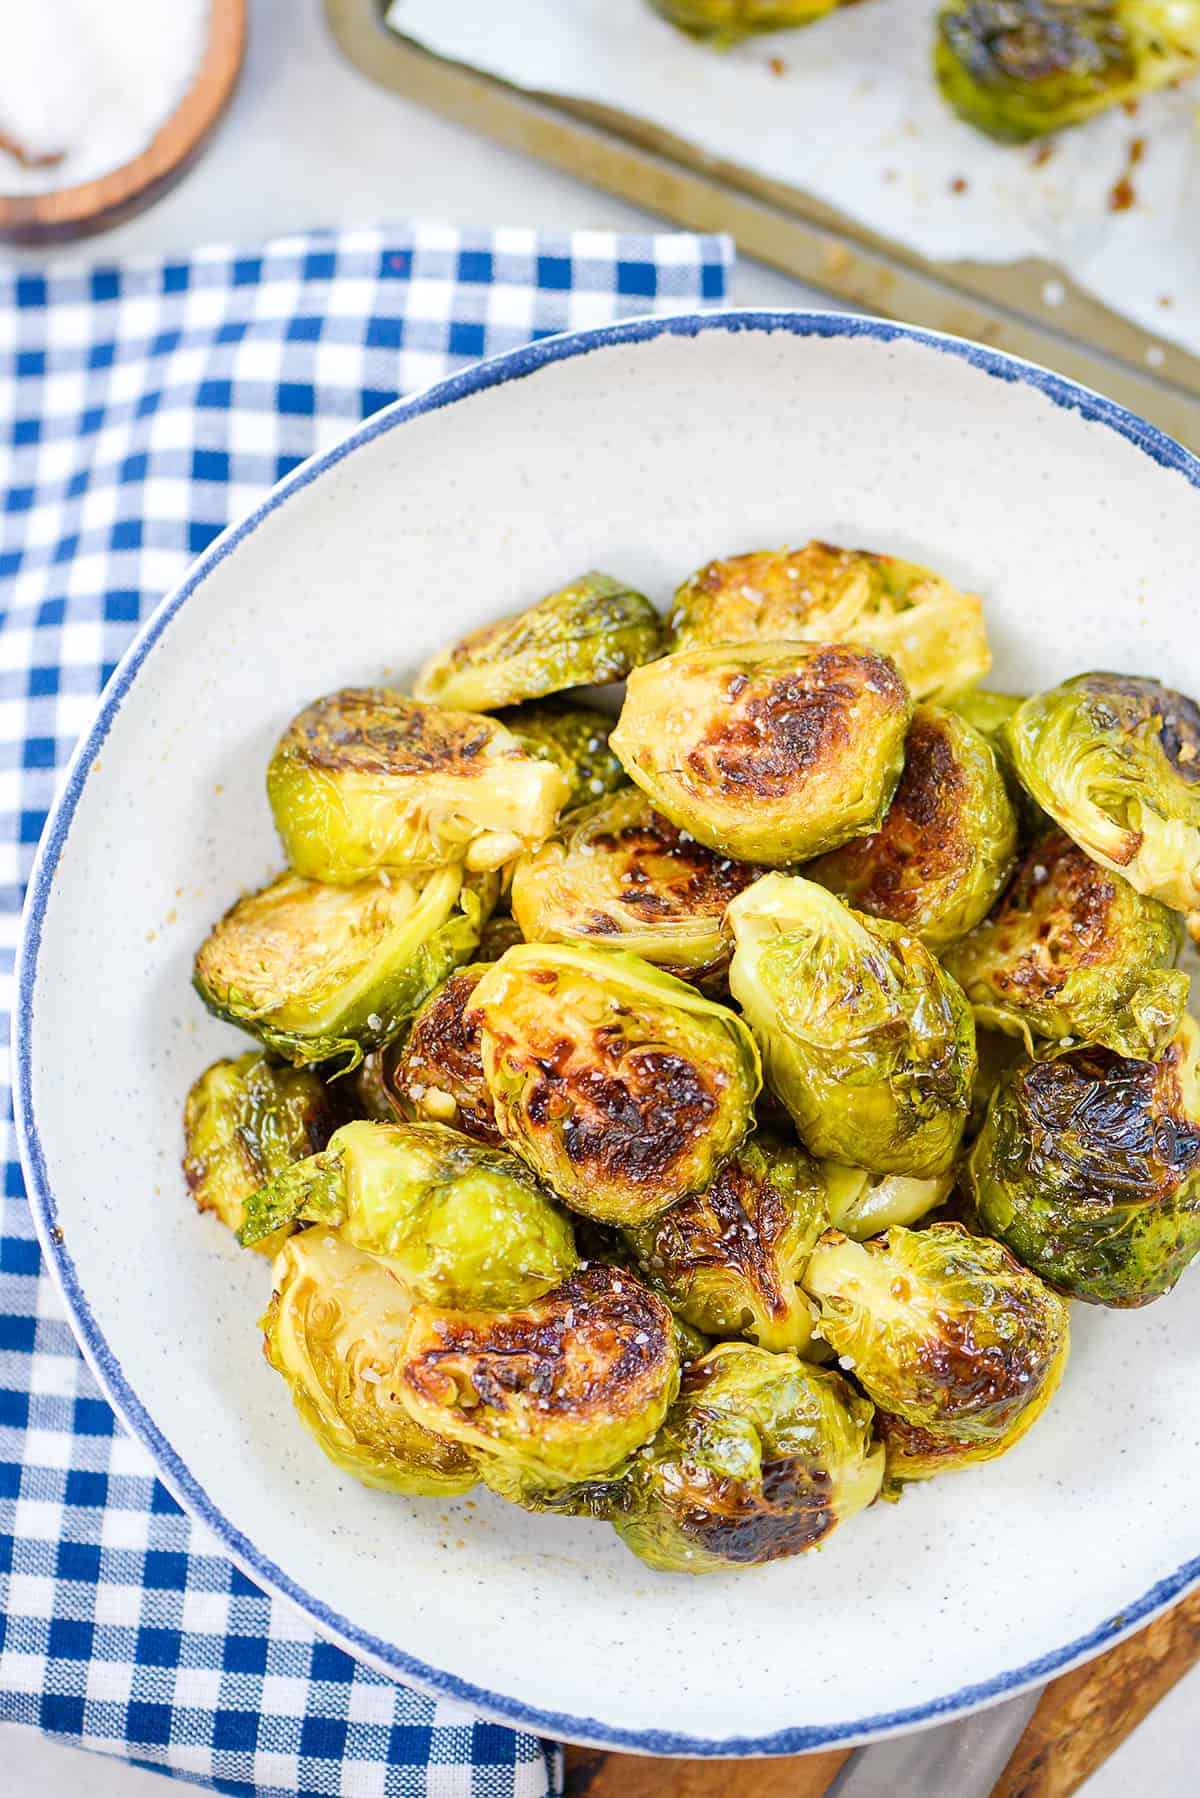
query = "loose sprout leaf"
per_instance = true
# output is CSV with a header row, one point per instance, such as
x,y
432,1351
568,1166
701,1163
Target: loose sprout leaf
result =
x,y
594,630
821,594
621,873
575,738
868,1042
1072,951
436,1076
768,752
729,1260
1020,68
761,1457
458,1223
944,1329
1115,760
1088,1168
621,1087
324,972
335,1329
243,1123
367,779
560,1391
862,1204
947,843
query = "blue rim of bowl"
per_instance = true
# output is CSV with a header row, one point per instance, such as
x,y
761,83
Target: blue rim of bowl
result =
x,y
514,365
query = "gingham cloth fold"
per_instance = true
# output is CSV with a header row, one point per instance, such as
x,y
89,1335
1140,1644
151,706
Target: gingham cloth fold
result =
x,y
141,408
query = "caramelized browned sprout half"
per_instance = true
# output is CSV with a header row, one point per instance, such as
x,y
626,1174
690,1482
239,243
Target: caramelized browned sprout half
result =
x,y
820,594
437,1075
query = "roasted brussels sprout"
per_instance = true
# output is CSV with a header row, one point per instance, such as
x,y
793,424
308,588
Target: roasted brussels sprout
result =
x,y
1088,1168
621,1087
1115,760
862,1204
561,1391
575,739
334,1330
366,779
820,594
726,21
459,1224
947,843
244,1122
760,1457
729,1259
769,752
437,1075
916,1454
621,873
318,972
947,1331
1071,951
1019,68
591,632
869,1044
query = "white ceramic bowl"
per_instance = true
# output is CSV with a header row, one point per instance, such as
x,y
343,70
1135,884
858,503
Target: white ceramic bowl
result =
x,y
644,449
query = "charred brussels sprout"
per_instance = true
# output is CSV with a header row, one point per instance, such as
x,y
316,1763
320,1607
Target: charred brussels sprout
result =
x,y
760,1458
575,739
1088,1167
620,1086
437,1075
318,972
1071,951
334,1330
769,752
862,1204
869,1044
820,594
946,1330
1115,760
1019,68
947,843
561,1391
459,1224
593,631
243,1123
726,21
366,779
622,874
728,1260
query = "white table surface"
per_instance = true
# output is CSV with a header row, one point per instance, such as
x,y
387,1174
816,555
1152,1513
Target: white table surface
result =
x,y
308,141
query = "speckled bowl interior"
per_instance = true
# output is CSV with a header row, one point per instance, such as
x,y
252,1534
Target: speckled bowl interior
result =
x,y
645,450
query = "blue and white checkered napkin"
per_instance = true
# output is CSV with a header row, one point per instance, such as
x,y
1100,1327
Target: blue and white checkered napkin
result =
x,y
142,408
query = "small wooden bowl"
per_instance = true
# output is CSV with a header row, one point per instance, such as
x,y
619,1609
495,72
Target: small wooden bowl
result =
x,y
69,212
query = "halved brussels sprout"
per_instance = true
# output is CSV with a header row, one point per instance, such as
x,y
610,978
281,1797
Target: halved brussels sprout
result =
x,y
869,1044
862,1204
563,1390
621,1087
366,779
622,873
334,1330
729,1259
820,594
916,1454
946,1330
761,1457
575,739
244,1122
1071,951
318,972
586,634
1088,1168
459,1224
948,841
437,1075
769,752
1020,68
1115,760
727,21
